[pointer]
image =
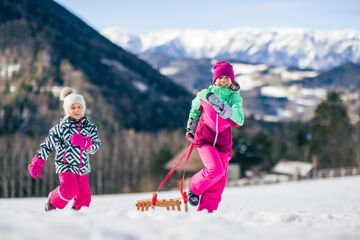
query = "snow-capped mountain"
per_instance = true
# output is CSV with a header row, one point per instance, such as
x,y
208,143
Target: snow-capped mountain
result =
x,y
277,69
318,50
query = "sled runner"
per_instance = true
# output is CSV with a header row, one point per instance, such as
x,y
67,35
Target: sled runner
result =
x,y
172,203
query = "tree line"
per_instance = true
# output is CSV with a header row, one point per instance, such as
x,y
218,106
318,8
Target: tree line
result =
x,y
130,161
328,140
122,164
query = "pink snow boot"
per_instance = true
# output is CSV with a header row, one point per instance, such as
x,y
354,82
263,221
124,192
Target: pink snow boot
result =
x,y
49,206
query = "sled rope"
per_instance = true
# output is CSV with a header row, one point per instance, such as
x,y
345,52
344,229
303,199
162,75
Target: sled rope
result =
x,y
146,203
183,193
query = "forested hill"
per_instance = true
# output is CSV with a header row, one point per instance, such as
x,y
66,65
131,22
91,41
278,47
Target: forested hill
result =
x,y
342,79
44,47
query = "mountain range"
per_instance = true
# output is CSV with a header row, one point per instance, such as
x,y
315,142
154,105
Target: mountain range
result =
x,y
44,47
294,48
147,82
284,74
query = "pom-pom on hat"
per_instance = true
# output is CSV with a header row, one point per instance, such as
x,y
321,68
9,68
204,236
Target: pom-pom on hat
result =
x,y
223,69
69,98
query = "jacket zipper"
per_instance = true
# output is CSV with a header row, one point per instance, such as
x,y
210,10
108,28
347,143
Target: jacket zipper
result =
x,y
64,161
217,122
80,150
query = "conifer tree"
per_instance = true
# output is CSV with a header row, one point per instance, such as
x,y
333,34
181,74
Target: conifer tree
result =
x,y
331,134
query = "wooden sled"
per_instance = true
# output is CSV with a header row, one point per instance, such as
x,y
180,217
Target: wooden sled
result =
x,y
153,202
172,203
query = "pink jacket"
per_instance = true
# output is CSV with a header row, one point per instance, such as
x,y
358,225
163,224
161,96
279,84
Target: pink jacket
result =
x,y
213,130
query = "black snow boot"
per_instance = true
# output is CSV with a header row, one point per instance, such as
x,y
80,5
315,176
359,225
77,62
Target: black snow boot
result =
x,y
193,199
49,206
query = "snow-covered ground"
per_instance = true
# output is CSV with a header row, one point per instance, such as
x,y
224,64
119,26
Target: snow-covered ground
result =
x,y
318,209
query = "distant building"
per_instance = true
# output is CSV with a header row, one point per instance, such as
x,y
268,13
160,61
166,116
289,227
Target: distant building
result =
x,y
195,164
294,169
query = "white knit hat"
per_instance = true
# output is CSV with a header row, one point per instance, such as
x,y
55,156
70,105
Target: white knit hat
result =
x,y
69,97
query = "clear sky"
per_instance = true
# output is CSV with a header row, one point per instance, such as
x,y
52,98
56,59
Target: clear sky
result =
x,y
143,16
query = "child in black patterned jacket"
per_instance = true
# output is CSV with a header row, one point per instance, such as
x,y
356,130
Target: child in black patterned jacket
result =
x,y
74,138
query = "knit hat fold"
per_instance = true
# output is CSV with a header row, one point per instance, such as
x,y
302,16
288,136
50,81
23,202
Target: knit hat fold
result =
x,y
223,69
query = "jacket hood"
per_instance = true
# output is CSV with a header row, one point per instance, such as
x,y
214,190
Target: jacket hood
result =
x,y
235,86
70,120
225,92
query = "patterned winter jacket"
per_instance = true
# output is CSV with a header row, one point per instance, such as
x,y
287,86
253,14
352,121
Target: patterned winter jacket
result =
x,y
212,129
68,158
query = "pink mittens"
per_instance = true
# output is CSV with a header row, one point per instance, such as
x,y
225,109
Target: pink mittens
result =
x,y
36,166
88,143
79,140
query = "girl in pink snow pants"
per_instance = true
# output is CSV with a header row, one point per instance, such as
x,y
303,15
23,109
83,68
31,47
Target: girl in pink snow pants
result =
x,y
74,138
213,112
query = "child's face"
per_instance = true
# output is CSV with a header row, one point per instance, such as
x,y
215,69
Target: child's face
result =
x,y
76,111
223,81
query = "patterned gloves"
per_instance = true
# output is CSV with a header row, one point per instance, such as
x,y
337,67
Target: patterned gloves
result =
x,y
36,166
224,110
79,140
191,129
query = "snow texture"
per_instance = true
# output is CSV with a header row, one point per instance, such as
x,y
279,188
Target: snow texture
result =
x,y
315,209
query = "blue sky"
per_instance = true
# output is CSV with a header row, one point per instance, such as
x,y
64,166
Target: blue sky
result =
x,y
142,16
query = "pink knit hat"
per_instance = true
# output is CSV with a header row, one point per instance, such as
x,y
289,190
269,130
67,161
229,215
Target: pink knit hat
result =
x,y
223,69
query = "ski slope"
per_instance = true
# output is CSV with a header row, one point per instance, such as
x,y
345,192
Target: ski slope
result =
x,y
317,209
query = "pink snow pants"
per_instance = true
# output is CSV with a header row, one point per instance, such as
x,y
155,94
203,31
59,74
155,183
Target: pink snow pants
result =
x,y
209,183
72,186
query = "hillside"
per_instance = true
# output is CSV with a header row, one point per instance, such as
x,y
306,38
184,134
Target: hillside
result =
x,y
342,79
44,47
270,93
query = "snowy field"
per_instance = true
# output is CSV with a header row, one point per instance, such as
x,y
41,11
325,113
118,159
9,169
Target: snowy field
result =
x,y
319,209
